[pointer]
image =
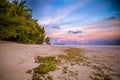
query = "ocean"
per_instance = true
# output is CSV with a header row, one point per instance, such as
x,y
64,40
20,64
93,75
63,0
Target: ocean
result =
x,y
102,47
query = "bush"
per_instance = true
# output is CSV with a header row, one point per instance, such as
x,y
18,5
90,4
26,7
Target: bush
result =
x,y
17,25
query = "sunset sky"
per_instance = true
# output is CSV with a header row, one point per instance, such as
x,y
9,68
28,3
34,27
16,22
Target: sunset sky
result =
x,y
78,21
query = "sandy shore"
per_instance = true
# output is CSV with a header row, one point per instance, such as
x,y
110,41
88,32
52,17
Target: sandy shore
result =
x,y
16,59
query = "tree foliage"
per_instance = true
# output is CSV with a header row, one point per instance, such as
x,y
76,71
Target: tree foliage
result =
x,y
16,23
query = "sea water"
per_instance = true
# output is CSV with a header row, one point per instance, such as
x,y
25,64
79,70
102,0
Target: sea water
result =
x,y
102,47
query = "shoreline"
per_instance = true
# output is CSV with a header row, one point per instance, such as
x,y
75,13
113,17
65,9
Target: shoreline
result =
x,y
16,59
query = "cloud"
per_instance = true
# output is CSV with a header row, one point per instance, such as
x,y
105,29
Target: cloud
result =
x,y
60,14
56,27
93,33
111,18
74,32
103,26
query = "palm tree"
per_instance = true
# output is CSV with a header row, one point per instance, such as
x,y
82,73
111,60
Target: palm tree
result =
x,y
19,9
14,7
23,11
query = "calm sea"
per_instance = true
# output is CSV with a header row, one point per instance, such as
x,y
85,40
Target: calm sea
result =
x,y
103,47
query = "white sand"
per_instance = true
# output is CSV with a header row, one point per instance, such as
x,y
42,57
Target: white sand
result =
x,y
16,59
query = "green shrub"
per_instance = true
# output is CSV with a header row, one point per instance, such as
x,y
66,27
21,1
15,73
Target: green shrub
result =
x,y
17,25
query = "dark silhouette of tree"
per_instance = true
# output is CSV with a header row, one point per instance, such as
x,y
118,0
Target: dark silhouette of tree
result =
x,y
47,40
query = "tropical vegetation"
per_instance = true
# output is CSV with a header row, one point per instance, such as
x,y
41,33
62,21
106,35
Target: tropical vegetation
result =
x,y
16,23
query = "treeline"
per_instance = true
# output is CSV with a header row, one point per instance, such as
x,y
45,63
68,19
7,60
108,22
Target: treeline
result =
x,y
16,23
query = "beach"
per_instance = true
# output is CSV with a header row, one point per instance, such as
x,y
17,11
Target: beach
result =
x,y
16,59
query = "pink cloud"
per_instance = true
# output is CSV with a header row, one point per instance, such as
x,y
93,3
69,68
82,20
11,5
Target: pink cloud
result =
x,y
105,30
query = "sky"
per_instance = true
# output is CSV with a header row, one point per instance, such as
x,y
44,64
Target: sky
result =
x,y
78,21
